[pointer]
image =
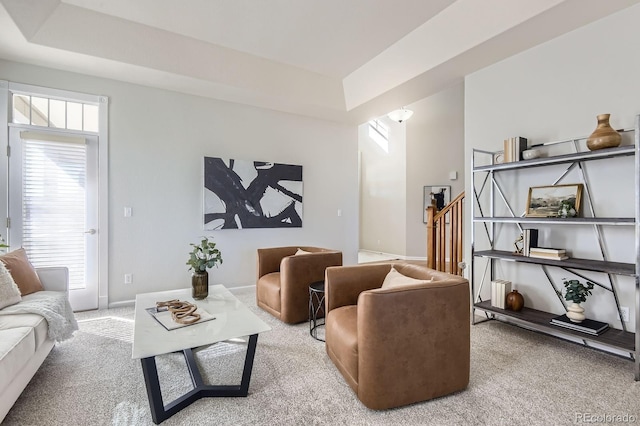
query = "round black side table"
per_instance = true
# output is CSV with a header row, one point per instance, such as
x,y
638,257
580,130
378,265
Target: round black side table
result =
x,y
316,308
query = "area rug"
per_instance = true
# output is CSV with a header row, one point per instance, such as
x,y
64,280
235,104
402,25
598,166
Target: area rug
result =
x,y
518,377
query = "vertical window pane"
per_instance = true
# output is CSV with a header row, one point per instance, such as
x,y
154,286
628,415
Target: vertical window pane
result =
x,y
57,114
54,206
21,109
39,111
90,118
74,116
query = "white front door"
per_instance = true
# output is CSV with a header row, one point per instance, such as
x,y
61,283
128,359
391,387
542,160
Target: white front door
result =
x,y
53,205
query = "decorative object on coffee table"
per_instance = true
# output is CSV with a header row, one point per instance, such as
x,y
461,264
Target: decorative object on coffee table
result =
x,y
181,312
203,256
604,136
577,293
515,301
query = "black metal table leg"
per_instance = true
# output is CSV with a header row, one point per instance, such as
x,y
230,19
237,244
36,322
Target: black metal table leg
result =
x,y
316,308
160,412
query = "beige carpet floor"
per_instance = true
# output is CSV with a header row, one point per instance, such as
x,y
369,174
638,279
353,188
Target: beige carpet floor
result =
x,y
518,377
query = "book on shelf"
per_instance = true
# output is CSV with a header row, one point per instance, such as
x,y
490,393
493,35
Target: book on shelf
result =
x,y
529,240
513,148
507,151
548,250
499,291
548,256
520,145
586,326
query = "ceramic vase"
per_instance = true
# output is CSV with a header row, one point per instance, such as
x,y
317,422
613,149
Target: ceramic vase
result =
x,y
604,136
200,285
575,312
515,301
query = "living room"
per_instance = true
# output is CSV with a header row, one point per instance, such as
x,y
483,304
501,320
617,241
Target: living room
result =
x,y
551,90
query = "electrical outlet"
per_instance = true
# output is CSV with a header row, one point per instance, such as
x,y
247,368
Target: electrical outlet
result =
x,y
128,278
624,311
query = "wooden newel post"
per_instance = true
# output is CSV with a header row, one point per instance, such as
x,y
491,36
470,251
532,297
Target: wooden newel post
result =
x,y
431,239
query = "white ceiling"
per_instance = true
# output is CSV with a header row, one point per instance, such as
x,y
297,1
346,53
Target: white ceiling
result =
x,y
345,60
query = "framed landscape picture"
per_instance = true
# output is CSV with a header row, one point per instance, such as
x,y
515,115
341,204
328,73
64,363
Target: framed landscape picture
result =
x,y
546,201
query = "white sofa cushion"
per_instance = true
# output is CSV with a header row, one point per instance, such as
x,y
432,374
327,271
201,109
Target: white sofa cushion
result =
x,y
17,346
396,279
9,291
38,323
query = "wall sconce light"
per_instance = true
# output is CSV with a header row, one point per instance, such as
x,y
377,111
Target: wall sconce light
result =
x,y
400,115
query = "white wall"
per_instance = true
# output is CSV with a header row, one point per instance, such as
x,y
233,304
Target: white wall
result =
x,y
422,151
157,142
553,92
383,196
435,147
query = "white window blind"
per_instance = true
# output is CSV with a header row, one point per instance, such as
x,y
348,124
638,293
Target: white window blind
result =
x,y
53,210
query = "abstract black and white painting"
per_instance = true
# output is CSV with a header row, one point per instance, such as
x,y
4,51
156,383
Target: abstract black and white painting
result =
x,y
251,194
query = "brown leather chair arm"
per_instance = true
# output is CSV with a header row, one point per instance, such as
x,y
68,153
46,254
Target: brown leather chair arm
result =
x,y
296,274
305,268
427,326
269,259
344,284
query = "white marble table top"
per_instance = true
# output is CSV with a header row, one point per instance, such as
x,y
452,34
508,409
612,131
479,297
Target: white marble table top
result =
x,y
233,319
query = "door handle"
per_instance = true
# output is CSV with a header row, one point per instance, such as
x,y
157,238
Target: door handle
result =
x,y
90,231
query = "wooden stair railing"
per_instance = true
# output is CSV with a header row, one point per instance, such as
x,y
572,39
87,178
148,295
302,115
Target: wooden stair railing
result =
x,y
444,240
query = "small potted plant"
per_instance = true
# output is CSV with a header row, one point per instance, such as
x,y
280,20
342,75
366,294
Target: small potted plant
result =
x,y
203,256
567,209
576,292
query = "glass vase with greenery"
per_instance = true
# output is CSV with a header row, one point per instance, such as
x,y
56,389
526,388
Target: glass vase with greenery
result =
x,y
203,256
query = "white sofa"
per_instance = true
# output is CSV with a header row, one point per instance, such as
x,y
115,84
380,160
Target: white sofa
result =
x,y
24,342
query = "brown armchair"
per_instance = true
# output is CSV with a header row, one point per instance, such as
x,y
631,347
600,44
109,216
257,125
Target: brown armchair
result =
x,y
400,345
282,286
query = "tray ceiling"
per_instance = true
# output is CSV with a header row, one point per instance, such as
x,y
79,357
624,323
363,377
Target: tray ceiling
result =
x,y
334,59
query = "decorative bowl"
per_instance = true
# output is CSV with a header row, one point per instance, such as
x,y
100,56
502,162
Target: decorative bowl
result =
x,y
530,154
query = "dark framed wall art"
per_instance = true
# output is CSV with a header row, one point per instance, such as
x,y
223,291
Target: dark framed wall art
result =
x,y
251,194
440,193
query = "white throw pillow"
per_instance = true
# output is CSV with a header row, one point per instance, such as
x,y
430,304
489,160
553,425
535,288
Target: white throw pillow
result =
x,y
395,279
300,251
9,291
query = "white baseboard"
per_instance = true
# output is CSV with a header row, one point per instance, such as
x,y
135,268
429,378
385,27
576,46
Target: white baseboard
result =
x,y
232,289
394,256
124,303
103,302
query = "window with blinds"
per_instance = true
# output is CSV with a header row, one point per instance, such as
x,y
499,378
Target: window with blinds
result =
x,y
54,205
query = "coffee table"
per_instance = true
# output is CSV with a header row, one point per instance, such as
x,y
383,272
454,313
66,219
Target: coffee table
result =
x,y
150,338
